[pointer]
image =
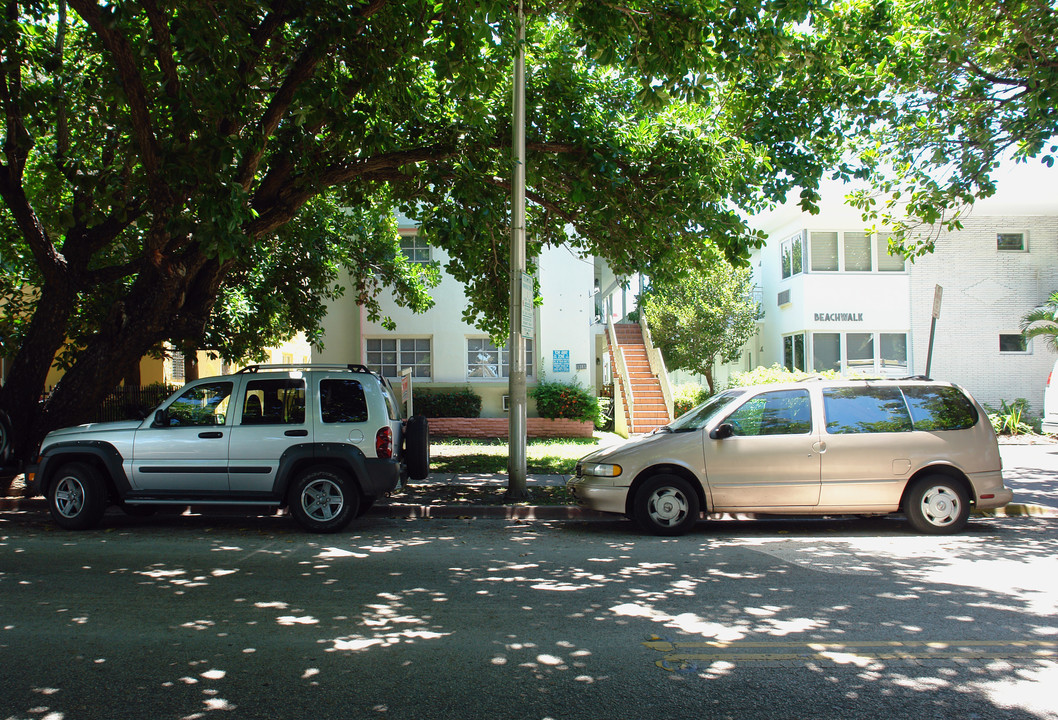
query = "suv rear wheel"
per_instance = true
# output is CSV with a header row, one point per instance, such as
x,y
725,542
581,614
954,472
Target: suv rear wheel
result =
x,y
77,498
937,505
323,500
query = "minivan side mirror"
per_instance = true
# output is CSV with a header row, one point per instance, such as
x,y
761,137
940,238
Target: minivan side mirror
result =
x,y
721,431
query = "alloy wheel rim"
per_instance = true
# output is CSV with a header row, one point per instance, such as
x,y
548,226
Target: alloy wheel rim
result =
x,y
69,497
322,500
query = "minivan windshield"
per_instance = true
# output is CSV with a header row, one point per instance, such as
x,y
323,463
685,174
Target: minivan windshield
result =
x,y
696,418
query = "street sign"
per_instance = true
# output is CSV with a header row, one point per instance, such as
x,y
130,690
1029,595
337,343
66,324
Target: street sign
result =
x,y
527,305
938,292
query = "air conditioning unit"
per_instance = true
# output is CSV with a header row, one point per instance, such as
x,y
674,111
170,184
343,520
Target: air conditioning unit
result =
x,y
784,298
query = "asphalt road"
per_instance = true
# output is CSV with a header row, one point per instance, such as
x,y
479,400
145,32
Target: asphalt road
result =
x,y
237,617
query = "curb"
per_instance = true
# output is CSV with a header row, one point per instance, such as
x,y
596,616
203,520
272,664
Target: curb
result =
x,y
517,512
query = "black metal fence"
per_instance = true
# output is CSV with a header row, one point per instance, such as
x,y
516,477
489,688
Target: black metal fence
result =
x,y
129,402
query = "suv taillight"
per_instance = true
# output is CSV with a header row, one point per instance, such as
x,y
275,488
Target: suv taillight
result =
x,y
1049,378
384,443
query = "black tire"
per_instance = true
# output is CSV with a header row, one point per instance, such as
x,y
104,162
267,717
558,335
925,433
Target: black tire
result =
x,y
77,496
937,505
666,505
417,447
323,500
5,439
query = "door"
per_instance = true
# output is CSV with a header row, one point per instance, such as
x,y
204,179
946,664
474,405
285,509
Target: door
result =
x,y
191,452
771,460
271,419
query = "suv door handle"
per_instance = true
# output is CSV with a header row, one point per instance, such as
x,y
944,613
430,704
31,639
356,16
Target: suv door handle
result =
x,y
211,434
296,433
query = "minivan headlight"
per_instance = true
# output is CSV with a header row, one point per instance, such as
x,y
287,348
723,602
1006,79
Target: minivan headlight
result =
x,y
601,469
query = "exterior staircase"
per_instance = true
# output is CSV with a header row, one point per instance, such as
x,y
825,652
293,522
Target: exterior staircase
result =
x,y
648,407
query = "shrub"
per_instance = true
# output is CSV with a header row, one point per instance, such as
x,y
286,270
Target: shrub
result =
x,y
559,400
1010,419
687,396
463,403
776,374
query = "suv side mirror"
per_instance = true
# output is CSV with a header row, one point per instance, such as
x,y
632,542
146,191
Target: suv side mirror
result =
x,y
721,431
161,419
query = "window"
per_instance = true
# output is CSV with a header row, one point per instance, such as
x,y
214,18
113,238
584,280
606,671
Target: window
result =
x,y
792,251
888,262
200,405
865,410
794,351
892,350
857,252
343,401
1013,343
939,408
1010,242
415,248
859,348
824,252
486,360
274,402
388,356
826,351
784,412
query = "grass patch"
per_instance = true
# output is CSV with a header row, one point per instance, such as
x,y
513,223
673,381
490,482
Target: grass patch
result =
x,y
556,456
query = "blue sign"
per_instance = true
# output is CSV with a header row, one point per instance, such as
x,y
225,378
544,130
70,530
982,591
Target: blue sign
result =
x,y
560,361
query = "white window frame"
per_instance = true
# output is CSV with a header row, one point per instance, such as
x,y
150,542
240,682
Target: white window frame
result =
x,y
879,245
421,370
503,371
878,367
1024,242
415,248
787,247
1028,343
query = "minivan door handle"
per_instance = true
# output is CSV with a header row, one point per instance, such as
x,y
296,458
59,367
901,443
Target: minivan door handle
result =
x,y
819,446
296,433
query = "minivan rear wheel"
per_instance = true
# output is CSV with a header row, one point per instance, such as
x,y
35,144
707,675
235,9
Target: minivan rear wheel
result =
x,y
666,505
937,505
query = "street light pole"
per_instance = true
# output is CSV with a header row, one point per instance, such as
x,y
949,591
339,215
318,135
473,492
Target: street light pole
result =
x,y
517,402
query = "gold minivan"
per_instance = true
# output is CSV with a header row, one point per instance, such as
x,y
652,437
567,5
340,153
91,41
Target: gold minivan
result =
x,y
816,447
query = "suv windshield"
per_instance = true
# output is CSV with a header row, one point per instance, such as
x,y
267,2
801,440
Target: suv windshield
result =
x,y
697,417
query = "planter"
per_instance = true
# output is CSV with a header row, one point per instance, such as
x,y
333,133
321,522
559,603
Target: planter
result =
x,y
498,427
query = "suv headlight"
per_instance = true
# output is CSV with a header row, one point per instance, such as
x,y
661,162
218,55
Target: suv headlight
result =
x,y
601,469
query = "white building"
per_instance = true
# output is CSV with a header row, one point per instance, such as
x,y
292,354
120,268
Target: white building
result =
x,y
446,352
835,299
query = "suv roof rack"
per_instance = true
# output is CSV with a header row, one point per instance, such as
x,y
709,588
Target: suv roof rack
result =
x,y
303,366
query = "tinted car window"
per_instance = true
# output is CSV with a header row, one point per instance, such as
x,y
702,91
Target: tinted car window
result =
x,y
940,408
697,417
865,410
200,405
343,401
280,401
784,412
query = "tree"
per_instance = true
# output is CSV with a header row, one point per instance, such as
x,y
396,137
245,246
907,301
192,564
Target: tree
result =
x,y
201,172
705,317
1042,322
938,92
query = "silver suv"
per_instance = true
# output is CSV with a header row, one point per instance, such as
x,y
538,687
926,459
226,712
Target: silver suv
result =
x,y
324,441
817,447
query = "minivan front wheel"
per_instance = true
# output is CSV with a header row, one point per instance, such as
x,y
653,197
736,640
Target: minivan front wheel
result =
x,y
937,505
666,505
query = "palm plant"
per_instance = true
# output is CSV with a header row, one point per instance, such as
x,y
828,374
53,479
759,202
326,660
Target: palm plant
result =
x,y
1042,321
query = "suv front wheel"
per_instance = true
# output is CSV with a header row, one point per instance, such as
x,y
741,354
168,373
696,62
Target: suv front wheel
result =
x,y
323,500
77,498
